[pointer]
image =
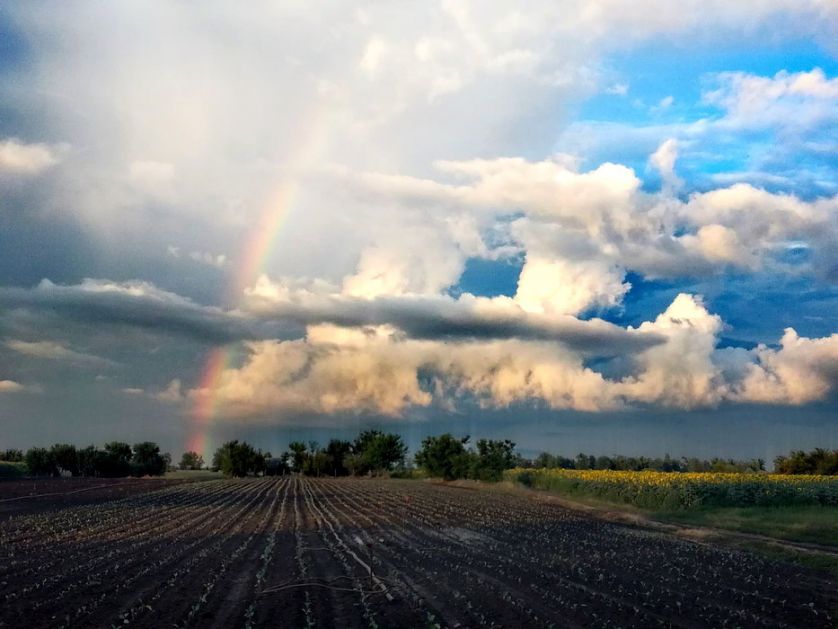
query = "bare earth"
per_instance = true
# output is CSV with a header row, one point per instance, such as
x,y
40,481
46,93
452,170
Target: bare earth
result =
x,y
297,552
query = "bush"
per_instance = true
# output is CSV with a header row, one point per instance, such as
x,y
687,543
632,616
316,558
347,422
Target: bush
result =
x,y
12,469
12,455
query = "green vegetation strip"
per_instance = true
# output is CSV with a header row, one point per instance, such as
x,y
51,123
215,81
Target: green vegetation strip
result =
x,y
675,491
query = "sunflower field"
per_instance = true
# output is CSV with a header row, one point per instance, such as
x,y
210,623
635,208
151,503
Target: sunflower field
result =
x,y
679,490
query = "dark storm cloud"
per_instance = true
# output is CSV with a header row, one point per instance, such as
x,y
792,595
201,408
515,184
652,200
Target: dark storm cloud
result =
x,y
138,305
142,305
445,318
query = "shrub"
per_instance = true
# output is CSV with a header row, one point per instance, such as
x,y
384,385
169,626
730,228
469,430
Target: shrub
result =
x,y
12,469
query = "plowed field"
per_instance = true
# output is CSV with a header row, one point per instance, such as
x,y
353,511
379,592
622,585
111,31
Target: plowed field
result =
x,y
297,552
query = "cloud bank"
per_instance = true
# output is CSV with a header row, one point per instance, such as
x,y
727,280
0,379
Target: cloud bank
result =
x,y
310,187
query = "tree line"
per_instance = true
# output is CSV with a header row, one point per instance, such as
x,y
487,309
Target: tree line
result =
x,y
640,463
818,461
373,452
117,459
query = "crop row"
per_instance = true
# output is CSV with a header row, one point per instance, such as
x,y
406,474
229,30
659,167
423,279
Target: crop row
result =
x,y
368,553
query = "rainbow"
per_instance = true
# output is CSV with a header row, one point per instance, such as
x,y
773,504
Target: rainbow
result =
x,y
254,257
203,409
256,254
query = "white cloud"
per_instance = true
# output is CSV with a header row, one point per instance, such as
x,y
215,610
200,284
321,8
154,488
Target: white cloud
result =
x,y
719,244
795,100
55,351
249,102
569,287
779,131
19,158
151,172
251,119
10,386
374,54
172,394
680,372
618,89
664,103
377,369
802,370
218,260
663,160
601,220
439,316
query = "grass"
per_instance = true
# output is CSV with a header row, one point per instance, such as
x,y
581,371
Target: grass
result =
x,y
816,561
805,523
193,475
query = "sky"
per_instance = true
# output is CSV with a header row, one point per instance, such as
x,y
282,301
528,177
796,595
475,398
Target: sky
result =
x,y
605,226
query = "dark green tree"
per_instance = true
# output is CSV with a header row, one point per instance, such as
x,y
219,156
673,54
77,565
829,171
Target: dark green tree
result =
x,y
298,455
66,457
337,451
90,461
191,461
12,455
383,452
147,460
317,463
354,463
444,456
493,457
818,461
236,458
115,461
39,462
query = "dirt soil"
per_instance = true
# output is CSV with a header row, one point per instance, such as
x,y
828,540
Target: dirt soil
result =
x,y
44,494
296,552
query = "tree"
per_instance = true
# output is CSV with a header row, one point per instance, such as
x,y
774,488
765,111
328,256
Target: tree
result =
x,y
383,452
337,450
115,461
191,461
444,456
493,457
12,455
147,460
354,463
316,463
65,457
90,461
585,462
298,455
236,458
818,461
277,466
39,462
